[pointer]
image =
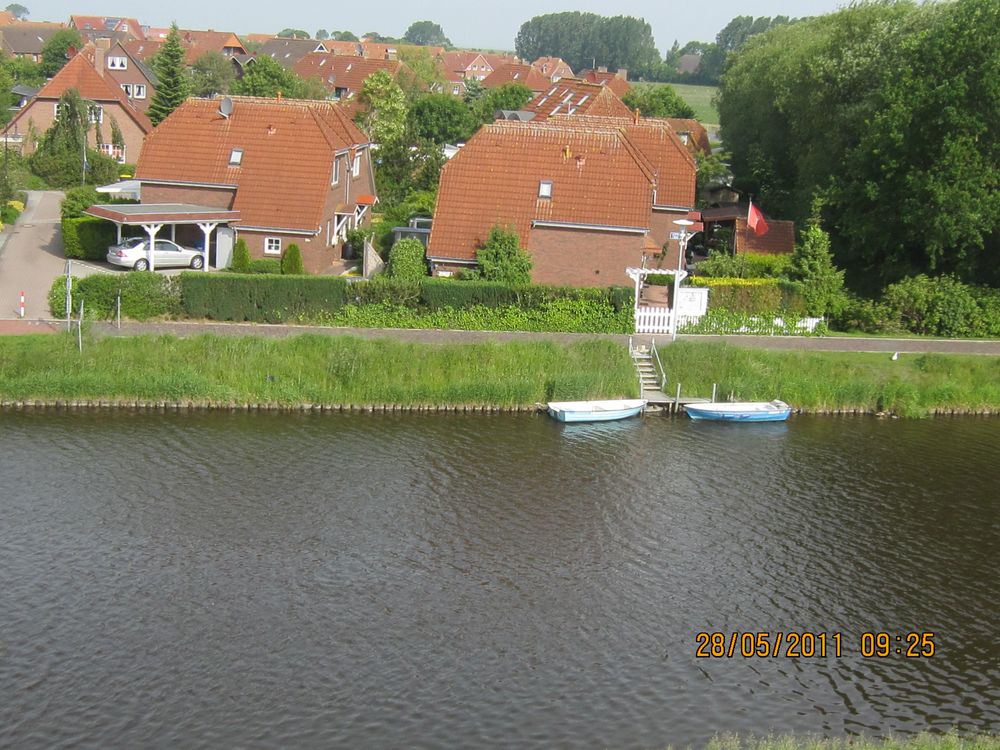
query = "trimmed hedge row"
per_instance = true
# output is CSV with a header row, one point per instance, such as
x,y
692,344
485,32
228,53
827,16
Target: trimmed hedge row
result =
x,y
262,298
144,294
87,238
752,296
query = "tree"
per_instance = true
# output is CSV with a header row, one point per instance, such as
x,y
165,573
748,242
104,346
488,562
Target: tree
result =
x,y
291,261
174,82
821,283
293,34
54,51
426,68
384,118
509,96
402,169
502,259
59,159
266,77
322,35
427,34
657,101
473,91
211,74
18,11
241,257
406,261
440,119
343,36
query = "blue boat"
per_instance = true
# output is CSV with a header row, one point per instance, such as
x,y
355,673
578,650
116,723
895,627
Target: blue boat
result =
x,y
595,411
741,411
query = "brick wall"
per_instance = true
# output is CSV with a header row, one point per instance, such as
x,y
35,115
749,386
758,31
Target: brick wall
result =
x,y
316,257
577,257
198,196
41,113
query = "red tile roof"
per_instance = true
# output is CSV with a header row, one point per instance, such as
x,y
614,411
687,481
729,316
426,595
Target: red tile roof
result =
x,y
288,146
343,48
779,240
517,73
142,50
674,167
346,72
574,96
195,44
109,24
553,66
79,74
617,82
598,178
697,141
461,64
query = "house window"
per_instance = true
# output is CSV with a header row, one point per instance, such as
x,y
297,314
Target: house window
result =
x,y
272,246
356,167
336,171
545,189
236,157
139,90
96,113
115,152
117,63
127,88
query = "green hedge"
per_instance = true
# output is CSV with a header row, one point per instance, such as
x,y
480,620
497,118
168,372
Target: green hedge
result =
x,y
88,238
751,296
744,265
263,298
144,294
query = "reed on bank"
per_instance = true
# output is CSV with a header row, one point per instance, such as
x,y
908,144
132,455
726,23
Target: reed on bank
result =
x,y
914,385
311,369
922,741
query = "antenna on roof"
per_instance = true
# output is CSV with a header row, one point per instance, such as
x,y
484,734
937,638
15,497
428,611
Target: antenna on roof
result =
x,y
226,107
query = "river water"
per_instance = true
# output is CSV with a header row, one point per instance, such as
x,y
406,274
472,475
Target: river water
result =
x,y
270,580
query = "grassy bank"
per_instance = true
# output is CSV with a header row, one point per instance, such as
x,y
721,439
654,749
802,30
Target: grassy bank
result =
x,y
698,97
914,385
923,741
310,369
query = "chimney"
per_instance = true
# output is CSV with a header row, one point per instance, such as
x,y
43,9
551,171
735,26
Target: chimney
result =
x,y
279,96
99,57
602,68
635,116
623,73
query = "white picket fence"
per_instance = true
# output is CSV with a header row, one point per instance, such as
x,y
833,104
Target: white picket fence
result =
x,y
653,319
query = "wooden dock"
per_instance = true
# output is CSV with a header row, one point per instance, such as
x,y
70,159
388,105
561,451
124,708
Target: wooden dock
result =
x,y
670,404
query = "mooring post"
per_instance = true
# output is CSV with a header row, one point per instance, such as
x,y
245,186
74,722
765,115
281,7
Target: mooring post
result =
x,y
713,392
677,400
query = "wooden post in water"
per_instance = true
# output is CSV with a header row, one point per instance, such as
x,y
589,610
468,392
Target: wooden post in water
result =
x,y
677,400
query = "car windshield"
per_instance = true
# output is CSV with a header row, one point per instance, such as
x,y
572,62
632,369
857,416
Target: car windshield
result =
x,y
133,241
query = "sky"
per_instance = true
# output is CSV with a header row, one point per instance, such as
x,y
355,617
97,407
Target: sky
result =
x,y
478,24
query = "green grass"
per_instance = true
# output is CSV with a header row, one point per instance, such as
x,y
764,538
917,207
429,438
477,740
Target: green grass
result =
x,y
922,741
699,97
913,386
311,369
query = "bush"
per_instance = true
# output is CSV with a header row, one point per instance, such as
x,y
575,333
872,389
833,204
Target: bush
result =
x,y
87,238
265,265
941,306
406,261
241,257
270,298
501,258
291,261
720,322
78,199
743,265
144,294
9,213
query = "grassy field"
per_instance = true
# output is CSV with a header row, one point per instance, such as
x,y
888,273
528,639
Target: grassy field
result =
x,y
923,741
699,97
913,386
311,369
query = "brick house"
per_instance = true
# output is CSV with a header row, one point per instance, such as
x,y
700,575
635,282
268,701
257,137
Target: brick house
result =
x,y
109,103
96,27
778,240
528,75
195,44
26,40
553,68
137,80
574,96
295,171
588,197
343,75
692,134
287,52
617,81
460,66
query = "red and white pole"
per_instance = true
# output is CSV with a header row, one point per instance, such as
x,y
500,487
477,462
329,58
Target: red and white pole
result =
x,y
21,308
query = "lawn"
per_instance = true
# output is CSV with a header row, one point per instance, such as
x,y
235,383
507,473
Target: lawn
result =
x,y
699,97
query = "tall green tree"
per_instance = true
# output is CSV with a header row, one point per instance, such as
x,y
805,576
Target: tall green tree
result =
x,y
59,159
509,96
266,77
501,258
211,74
18,11
440,118
174,80
343,36
657,101
54,51
427,34
293,34
384,116
428,70
322,35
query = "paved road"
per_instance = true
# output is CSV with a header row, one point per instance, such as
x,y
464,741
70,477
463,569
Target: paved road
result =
x,y
804,343
31,257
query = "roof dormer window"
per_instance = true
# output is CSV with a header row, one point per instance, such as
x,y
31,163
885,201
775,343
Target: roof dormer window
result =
x,y
236,157
545,189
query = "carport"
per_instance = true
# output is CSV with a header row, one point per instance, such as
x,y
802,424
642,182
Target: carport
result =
x,y
153,217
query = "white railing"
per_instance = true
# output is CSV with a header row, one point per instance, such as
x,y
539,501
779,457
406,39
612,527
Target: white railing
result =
x,y
652,319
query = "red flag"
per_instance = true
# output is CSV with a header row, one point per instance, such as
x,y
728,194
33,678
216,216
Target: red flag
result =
x,y
755,220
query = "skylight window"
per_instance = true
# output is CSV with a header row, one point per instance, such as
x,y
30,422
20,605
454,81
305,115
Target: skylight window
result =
x,y
235,157
545,189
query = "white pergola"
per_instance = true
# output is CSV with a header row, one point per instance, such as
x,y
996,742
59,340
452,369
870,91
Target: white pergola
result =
x,y
638,275
153,217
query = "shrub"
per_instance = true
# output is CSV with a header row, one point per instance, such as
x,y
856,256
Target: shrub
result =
x,y
265,265
941,306
269,298
78,199
144,294
87,238
241,257
743,265
406,260
502,259
291,261
821,283
9,213
721,321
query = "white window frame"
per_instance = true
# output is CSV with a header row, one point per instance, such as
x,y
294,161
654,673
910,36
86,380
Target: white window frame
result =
x,y
236,157
336,170
272,246
127,88
545,189
117,63
115,152
356,166
140,90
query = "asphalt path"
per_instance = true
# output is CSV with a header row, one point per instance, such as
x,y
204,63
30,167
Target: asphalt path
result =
x,y
31,257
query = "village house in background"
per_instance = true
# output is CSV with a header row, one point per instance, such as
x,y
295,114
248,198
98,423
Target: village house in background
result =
x,y
574,96
114,60
26,40
92,28
553,68
343,75
288,171
616,81
588,197
108,101
527,75
692,134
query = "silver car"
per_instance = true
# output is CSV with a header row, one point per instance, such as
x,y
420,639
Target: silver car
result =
x,y
131,253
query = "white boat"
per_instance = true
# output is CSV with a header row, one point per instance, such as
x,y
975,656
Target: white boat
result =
x,y
595,411
741,411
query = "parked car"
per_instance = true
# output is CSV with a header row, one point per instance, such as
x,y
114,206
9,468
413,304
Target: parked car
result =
x,y
131,253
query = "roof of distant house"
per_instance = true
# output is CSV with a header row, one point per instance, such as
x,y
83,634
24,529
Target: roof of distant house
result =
x,y
27,38
616,81
689,63
698,140
529,75
597,178
108,24
283,177
90,51
549,66
7,18
289,51
779,239
575,96
346,71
